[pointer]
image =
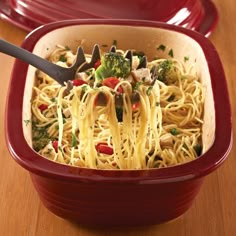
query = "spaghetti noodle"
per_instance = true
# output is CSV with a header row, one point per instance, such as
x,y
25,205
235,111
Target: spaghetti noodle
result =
x,y
150,118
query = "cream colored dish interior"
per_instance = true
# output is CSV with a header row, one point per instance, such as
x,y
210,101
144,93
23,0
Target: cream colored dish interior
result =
x,y
128,37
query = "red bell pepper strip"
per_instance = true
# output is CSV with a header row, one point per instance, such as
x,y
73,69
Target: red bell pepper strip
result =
x,y
111,82
78,82
104,148
55,145
135,106
43,107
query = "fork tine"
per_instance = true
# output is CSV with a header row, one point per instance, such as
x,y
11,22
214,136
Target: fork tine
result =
x,y
80,58
143,63
113,49
153,71
129,56
95,55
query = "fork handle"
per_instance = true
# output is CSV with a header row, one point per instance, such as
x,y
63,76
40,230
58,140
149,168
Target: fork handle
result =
x,y
47,67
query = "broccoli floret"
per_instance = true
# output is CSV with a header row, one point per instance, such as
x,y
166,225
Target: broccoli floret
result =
x,y
113,64
167,72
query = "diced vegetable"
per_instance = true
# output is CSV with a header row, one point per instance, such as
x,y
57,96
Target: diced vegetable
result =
x,y
43,107
104,148
149,90
135,106
78,82
55,145
111,82
74,141
174,131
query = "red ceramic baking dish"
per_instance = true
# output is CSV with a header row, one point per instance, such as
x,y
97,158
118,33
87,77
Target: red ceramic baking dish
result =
x,y
120,197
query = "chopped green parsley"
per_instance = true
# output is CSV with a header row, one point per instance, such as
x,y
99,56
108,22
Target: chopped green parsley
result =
x,y
171,53
27,122
161,47
186,58
137,85
62,58
149,90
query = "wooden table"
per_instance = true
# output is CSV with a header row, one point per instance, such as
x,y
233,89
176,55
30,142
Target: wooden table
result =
x,y
213,213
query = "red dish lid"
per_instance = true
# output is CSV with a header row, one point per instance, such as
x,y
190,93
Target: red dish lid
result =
x,y
199,15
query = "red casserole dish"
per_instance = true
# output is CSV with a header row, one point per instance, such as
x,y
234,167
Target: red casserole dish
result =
x,y
120,197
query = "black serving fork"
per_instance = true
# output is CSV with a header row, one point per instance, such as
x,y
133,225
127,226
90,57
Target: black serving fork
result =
x,y
58,73
61,74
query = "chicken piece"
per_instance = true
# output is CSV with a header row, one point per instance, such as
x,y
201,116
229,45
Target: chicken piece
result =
x,y
48,151
166,140
142,75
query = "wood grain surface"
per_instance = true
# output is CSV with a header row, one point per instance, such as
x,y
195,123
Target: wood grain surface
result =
x,y
213,212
